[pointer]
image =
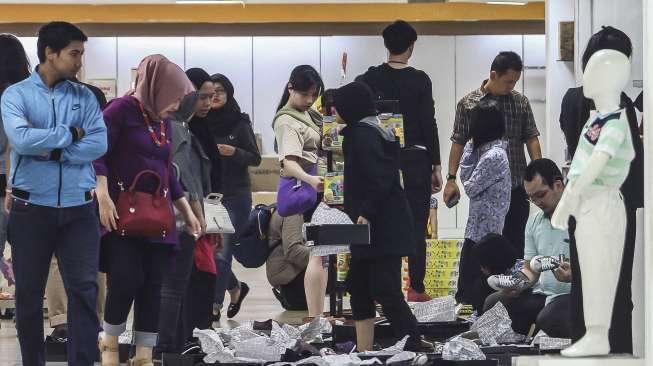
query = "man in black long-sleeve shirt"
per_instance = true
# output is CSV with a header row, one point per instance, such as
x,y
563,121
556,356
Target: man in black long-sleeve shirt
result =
x,y
420,159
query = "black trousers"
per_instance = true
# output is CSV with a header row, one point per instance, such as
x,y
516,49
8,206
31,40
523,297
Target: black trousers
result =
x,y
294,293
472,283
135,270
523,309
516,219
73,235
621,331
416,173
555,319
379,279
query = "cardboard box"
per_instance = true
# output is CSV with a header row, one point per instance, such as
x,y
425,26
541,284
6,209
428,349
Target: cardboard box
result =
x,y
266,198
265,177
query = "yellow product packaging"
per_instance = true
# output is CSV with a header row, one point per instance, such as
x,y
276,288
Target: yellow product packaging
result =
x,y
441,273
440,292
395,122
432,255
434,262
333,189
440,283
331,138
342,266
448,244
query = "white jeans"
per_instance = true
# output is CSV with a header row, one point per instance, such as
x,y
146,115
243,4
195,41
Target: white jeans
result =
x,y
600,235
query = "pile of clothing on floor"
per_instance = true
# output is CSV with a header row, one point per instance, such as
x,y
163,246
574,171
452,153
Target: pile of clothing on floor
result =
x,y
278,344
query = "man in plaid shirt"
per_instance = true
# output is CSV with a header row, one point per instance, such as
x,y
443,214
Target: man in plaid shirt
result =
x,y
520,129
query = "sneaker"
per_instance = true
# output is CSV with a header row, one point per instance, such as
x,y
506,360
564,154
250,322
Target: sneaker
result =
x,y
7,271
414,296
505,282
543,263
60,334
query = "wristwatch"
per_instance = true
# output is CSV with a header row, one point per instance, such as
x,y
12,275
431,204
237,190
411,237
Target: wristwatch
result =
x,y
451,177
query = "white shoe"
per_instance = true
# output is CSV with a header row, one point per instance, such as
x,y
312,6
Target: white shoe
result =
x,y
505,282
543,263
593,343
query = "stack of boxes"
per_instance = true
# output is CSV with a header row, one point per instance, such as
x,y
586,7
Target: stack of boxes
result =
x,y
442,258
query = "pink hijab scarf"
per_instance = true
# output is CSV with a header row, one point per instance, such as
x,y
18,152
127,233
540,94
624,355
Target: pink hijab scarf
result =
x,y
159,83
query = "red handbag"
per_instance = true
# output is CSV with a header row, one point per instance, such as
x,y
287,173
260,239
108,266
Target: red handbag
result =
x,y
144,214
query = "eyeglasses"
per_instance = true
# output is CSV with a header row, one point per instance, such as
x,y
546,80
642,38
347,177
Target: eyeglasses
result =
x,y
220,92
538,196
205,96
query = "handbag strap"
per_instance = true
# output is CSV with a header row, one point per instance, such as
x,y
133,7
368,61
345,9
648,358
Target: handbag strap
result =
x,y
141,174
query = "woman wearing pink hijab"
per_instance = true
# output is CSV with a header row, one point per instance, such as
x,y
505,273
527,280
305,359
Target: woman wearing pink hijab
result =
x,y
139,133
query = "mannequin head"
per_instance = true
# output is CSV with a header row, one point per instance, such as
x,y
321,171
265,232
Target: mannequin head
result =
x,y
606,74
544,185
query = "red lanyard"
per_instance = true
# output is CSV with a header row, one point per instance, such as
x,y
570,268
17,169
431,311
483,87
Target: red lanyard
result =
x,y
158,141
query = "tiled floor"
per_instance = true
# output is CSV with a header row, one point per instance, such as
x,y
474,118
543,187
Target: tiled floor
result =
x,y
259,305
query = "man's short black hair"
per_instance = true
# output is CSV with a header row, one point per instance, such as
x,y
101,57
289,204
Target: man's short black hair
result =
x,y
398,36
57,36
608,38
495,252
487,123
545,168
507,60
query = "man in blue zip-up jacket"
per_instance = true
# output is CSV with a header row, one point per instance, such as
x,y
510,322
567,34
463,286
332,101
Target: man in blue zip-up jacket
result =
x,y
55,129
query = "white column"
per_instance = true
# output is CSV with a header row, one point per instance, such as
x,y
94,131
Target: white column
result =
x,y
648,176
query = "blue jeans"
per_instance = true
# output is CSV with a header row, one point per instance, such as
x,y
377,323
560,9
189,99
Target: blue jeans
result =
x,y
239,208
73,235
173,291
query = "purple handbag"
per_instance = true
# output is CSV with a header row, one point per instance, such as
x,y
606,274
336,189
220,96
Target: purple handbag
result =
x,y
295,196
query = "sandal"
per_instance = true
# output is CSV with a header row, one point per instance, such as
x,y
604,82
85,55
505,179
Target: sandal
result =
x,y
109,356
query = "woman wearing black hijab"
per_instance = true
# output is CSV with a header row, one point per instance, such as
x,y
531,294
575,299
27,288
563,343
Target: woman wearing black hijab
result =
x,y
227,137
374,196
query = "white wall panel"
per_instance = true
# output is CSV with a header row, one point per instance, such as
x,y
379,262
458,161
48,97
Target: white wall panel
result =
x,y
273,59
29,44
534,80
131,50
100,61
230,56
362,52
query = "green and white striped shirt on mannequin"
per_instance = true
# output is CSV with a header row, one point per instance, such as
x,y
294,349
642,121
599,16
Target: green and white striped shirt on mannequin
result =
x,y
609,133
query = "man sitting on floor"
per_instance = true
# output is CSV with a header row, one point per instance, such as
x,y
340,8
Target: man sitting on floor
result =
x,y
537,294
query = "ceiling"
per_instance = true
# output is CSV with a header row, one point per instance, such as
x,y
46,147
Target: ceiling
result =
x,y
99,2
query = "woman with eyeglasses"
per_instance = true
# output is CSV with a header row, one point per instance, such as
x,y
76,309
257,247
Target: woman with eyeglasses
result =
x,y
485,174
227,137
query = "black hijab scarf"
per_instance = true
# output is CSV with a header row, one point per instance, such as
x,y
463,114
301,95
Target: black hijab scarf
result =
x,y
221,122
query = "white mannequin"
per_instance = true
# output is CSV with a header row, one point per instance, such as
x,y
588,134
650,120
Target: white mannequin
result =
x,y
599,210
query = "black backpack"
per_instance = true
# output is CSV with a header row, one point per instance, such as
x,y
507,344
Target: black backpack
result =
x,y
252,250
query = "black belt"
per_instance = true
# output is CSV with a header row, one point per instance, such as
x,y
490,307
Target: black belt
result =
x,y
24,195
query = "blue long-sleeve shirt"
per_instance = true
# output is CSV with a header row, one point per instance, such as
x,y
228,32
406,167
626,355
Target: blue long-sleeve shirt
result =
x,y
485,173
37,121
